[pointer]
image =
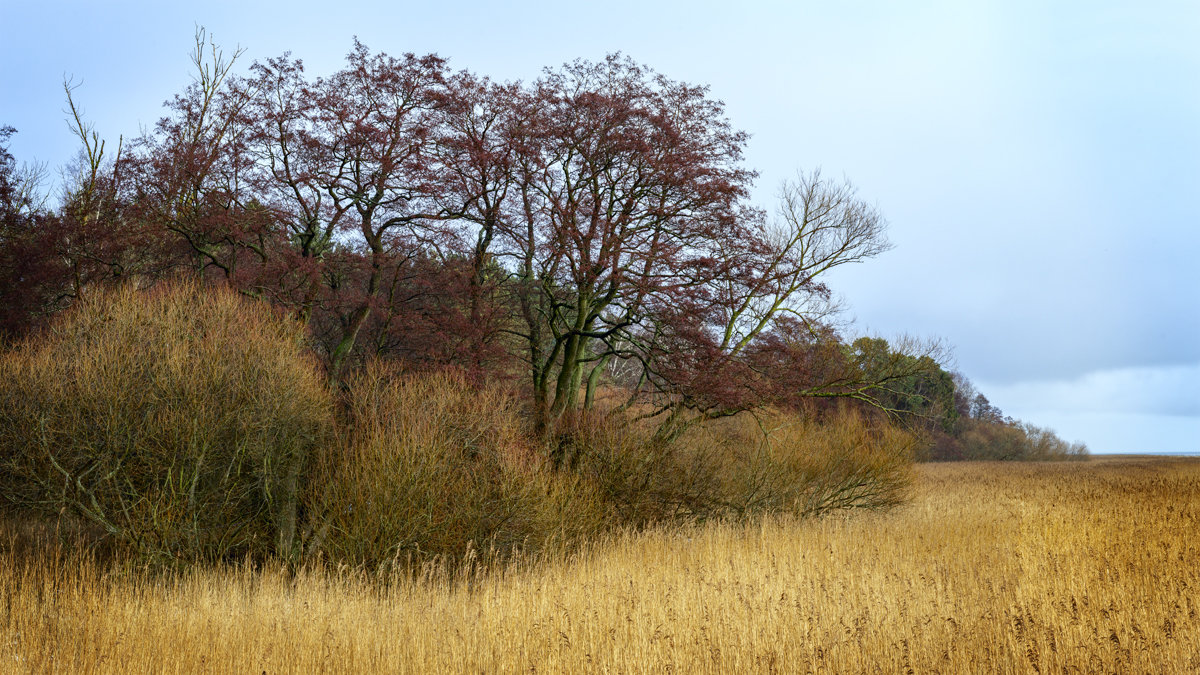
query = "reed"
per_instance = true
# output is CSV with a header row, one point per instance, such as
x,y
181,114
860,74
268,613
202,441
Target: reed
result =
x,y
991,567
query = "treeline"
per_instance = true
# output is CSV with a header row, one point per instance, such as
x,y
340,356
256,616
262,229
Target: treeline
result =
x,y
981,431
522,299
955,420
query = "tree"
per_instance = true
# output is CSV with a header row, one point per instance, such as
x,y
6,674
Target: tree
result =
x,y
594,218
46,258
21,186
93,233
625,185
316,194
478,133
187,176
754,328
374,119
20,270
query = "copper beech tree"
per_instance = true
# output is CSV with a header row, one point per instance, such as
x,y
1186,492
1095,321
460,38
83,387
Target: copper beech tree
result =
x,y
590,226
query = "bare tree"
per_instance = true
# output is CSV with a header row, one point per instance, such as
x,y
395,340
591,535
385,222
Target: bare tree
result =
x,y
763,307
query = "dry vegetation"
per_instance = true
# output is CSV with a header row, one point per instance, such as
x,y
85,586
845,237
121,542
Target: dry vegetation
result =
x,y
158,418
1067,567
187,424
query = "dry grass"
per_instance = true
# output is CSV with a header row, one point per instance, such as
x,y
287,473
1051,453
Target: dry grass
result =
x,y
1078,567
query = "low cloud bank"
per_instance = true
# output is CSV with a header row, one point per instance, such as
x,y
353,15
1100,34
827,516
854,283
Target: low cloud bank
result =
x,y
1144,409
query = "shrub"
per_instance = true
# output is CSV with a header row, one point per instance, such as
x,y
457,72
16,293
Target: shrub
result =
x,y
1045,445
744,465
643,479
180,420
846,461
431,466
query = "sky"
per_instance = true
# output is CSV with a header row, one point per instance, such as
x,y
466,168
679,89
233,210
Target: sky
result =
x,y
1038,162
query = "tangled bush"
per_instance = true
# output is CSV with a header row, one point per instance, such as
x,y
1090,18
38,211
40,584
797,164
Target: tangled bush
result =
x,y
740,466
180,420
640,478
429,465
845,462
192,423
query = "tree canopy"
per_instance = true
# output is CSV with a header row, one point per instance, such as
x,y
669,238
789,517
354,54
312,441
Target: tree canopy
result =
x,y
590,228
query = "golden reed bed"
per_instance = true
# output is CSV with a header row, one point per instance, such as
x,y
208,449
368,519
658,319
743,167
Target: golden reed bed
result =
x,y
1046,568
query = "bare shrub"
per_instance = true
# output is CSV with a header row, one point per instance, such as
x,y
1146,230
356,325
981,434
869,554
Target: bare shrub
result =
x,y
743,465
642,478
1045,445
431,466
847,461
179,420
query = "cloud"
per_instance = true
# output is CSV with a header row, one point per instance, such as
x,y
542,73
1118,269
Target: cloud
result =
x,y
1136,409
1124,432
1155,390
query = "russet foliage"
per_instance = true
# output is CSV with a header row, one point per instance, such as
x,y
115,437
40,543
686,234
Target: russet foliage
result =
x,y
576,256
550,233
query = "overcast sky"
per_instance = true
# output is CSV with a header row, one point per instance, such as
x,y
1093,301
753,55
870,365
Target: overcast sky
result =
x,y
1039,162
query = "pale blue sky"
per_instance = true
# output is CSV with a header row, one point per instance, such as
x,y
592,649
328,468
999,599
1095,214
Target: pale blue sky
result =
x,y
1039,162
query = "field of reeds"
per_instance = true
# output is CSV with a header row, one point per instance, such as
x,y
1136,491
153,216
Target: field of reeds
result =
x,y
1065,567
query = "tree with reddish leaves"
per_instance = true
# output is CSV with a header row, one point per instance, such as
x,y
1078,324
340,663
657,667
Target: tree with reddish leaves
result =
x,y
287,154
93,233
344,162
187,178
49,258
751,327
315,194
625,184
592,220
373,119
22,271
479,130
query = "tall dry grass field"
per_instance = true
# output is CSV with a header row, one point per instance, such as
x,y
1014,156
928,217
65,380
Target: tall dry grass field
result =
x,y
1069,567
